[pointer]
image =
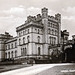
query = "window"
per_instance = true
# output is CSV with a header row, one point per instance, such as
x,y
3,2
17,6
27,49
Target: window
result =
x,y
15,53
8,54
28,30
12,54
49,31
55,32
54,40
35,30
12,45
38,50
8,46
23,32
52,31
21,52
50,40
19,41
19,34
38,39
28,38
25,51
5,55
38,31
15,45
23,40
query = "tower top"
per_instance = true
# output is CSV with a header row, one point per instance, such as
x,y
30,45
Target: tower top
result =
x,y
44,12
44,9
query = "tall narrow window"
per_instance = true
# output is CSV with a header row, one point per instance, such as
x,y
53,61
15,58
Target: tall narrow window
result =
x,y
15,53
21,52
15,44
50,39
25,51
8,54
39,51
23,32
52,31
28,30
23,40
55,32
49,31
28,38
19,34
38,39
19,41
38,31
12,45
12,54
54,40
8,46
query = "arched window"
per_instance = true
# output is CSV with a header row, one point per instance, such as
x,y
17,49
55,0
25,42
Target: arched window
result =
x,y
12,45
49,31
25,51
39,51
19,41
28,38
23,32
8,46
38,31
35,30
15,44
8,54
52,31
21,52
54,40
23,40
55,32
38,39
12,54
28,30
15,53
50,39
19,34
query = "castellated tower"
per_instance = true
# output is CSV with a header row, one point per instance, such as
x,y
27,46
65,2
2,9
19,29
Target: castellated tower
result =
x,y
58,17
45,23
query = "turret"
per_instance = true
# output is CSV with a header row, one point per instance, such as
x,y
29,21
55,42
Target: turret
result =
x,y
58,17
44,12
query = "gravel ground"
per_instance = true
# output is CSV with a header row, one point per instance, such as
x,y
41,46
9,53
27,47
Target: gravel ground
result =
x,y
60,70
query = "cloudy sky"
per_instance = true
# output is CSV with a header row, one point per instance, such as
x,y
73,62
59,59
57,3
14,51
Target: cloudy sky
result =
x,y
13,13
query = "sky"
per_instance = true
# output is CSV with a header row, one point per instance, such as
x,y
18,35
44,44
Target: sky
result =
x,y
13,13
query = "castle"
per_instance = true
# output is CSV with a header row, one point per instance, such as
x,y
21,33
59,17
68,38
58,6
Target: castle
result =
x,y
35,37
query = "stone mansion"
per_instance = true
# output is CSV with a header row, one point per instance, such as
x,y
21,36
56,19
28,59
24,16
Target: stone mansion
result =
x,y
35,37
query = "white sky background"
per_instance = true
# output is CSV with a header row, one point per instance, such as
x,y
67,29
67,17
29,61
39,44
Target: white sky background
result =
x,y
13,13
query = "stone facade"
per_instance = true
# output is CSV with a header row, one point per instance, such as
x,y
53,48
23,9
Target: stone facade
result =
x,y
35,38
